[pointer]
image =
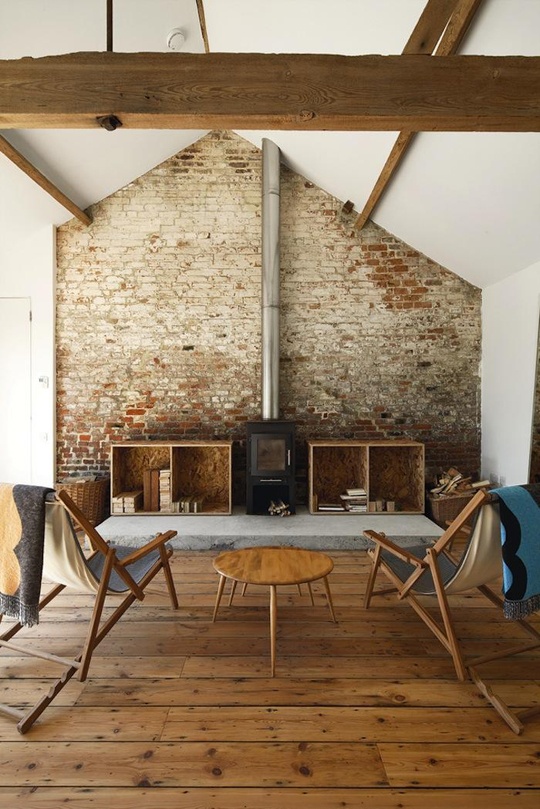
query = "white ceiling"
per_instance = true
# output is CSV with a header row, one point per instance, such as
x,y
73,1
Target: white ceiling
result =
x,y
470,201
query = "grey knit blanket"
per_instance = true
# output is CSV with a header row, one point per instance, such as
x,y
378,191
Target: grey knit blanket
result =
x,y
22,531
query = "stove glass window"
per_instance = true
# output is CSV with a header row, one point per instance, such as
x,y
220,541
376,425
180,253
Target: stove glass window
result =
x,y
271,454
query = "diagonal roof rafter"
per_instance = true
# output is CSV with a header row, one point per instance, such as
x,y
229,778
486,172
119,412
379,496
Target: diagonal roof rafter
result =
x,y
31,171
454,29
202,25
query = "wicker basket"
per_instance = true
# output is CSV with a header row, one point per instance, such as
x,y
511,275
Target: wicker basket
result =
x,y
444,509
92,496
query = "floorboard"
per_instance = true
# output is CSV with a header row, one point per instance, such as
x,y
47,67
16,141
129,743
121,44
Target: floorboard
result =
x,y
182,712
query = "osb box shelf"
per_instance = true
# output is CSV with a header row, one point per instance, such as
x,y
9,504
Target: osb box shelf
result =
x,y
187,477
390,472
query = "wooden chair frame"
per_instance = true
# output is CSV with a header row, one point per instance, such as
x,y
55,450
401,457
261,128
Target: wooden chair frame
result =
x,y
445,631
97,629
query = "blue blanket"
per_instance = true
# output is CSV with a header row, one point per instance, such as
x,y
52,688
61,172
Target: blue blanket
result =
x,y
520,536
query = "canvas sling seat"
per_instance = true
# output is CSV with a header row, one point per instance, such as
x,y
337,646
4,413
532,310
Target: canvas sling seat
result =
x,y
123,573
421,572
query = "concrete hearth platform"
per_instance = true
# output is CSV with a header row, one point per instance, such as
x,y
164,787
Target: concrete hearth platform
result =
x,y
240,530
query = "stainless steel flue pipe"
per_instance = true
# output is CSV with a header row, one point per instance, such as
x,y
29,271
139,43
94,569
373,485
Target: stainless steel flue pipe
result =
x,y
270,279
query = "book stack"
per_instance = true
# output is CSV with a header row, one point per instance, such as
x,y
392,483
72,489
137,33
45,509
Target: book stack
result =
x,y
133,502
127,502
355,500
117,504
330,507
165,490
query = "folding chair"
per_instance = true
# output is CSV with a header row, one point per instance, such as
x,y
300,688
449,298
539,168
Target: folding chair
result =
x,y
432,571
116,571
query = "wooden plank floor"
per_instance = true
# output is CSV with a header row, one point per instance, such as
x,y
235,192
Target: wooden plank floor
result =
x,y
180,712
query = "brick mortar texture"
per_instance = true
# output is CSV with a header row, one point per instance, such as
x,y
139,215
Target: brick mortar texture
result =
x,y
158,320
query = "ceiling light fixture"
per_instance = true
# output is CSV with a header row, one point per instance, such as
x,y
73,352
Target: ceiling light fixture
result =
x,y
176,39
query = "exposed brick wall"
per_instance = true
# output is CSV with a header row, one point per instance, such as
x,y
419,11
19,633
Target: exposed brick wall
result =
x,y
158,320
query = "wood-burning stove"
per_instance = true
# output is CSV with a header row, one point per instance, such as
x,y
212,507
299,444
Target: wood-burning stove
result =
x,y
270,465
270,442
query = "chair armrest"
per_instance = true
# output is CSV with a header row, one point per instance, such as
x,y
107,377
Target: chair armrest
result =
x,y
161,539
402,553
464,531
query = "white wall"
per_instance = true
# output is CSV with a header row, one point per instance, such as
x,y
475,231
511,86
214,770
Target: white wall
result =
x,y
510,315
28,269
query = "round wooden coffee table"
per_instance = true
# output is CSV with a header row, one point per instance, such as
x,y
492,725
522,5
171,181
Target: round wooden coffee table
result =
x,y
273,566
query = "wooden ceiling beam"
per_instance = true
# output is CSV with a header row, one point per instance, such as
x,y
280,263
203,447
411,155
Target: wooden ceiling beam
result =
x,y
19,160
455,27
273,91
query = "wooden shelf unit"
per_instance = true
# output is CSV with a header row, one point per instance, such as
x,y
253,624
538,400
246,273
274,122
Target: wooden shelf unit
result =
x,y
388,471
200,470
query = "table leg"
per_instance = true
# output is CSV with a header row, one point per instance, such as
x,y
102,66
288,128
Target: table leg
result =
x,y
273,621
329,597
221,585
233,588
311,594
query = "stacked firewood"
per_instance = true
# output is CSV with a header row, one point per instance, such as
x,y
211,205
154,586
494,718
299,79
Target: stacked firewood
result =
x,y
452,483
280,509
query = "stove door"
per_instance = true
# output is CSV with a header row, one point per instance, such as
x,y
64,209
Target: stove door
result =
x,y
270,454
